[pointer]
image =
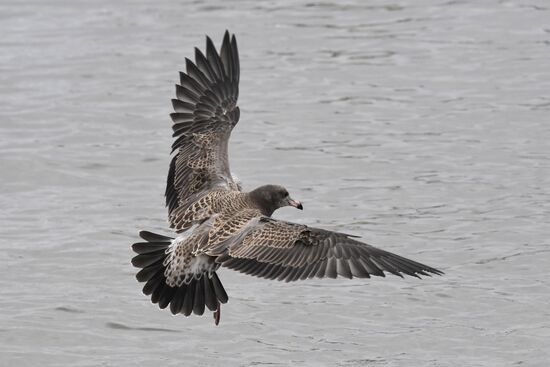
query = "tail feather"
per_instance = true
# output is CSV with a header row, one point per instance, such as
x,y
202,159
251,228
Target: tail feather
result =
x,y
148,272
148,247
218,289
201,292
150,258
177,302
155,296
166,296
210,298
198,305
189,298
152,283
154,237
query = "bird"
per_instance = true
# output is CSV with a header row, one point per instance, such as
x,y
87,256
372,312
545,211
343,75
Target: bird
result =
x,y
218,224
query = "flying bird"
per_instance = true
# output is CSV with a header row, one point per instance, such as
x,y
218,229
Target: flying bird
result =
x,y
220,225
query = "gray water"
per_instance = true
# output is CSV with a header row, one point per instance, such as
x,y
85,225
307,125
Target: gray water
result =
x,y
422,126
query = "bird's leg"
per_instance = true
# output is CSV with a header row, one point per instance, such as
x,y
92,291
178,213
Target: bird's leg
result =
x,y
217,314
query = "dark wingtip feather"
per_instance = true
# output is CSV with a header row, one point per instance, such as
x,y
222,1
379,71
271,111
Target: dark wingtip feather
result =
x,y
412,267
235,54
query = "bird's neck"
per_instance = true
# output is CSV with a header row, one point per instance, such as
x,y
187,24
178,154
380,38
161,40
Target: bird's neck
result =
x,y
258,201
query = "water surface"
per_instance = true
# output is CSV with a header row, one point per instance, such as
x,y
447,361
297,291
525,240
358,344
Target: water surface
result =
x,y
420,126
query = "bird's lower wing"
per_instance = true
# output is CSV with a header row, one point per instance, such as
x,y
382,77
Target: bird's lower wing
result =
x,y
286,251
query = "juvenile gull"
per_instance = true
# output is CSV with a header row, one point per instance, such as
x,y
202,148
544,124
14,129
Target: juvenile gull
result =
x,y
220,225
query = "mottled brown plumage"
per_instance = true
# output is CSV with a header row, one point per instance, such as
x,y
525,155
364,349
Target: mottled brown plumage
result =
x,y
218,224
210,203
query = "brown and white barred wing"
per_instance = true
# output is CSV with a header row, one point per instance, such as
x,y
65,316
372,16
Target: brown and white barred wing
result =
x,y
206,111
286,251
233,205
228,229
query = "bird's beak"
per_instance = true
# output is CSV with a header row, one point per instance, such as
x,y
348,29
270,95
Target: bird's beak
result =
x,y
295,203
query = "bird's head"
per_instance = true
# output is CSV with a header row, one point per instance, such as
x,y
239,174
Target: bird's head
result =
x,y
272,197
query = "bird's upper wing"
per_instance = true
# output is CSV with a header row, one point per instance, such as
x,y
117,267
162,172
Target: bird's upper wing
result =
x,y
280,250
205,113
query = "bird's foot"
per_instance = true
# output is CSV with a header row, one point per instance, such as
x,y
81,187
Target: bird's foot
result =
x,y
217,314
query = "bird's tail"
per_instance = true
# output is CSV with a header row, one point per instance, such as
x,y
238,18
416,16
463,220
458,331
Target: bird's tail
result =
x,y
203,289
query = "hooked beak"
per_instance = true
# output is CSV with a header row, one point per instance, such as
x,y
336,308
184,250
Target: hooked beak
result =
x,y
295,203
